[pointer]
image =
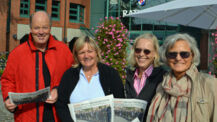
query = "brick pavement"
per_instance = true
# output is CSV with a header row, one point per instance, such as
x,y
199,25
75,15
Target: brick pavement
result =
x,y
5,116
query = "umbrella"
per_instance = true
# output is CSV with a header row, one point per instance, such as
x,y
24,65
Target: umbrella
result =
x,y
195,13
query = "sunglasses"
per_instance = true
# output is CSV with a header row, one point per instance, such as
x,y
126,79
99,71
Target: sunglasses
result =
x,y
145,51
173,55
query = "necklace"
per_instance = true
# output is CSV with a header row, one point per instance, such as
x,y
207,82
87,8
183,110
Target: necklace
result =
x,y
90,73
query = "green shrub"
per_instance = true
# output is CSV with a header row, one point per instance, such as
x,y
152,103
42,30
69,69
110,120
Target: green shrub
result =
x,y
112,38
3,59
1,72
213,54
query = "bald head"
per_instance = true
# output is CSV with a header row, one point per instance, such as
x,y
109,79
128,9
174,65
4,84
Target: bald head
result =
x,y
42,14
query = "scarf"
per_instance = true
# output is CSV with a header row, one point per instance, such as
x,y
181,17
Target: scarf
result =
x,y
171,102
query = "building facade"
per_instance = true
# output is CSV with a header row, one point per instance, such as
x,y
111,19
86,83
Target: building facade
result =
x,y
73,18
69,19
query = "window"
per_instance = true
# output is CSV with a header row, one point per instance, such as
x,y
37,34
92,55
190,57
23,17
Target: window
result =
x,y
24,8
41,5
76,13
55,10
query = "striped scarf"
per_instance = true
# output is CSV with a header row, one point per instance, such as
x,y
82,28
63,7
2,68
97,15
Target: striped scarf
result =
x,y
171,101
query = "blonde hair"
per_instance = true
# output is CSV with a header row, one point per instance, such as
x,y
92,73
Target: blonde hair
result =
x,y
79,44
153,38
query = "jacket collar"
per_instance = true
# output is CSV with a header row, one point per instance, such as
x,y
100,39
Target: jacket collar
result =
x,y
192,73
130,74
51,44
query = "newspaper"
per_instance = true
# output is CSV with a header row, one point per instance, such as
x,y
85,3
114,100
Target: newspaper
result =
x,y
129,110
22,98
95,110
108,109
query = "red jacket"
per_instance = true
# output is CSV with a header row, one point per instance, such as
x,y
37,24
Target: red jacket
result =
x,y
20,74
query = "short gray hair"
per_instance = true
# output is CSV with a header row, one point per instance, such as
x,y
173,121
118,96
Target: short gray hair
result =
x,y
30,19
153,38
171,40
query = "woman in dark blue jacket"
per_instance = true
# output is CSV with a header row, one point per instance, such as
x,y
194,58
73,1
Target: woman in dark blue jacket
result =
x,y
87,79
144,73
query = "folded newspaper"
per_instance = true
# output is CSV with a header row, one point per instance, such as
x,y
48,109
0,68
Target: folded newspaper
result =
x,y
95,110
108,109
30,97
129,110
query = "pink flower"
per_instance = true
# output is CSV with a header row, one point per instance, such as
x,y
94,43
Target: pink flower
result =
x,y
120,39
96,30
118,45
107,63
111,33
106,40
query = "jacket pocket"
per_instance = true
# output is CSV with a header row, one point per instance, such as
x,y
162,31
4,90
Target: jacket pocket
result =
x,y
201,112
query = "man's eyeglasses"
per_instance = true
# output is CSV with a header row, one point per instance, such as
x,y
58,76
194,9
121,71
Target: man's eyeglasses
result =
x,y
145,51
173,55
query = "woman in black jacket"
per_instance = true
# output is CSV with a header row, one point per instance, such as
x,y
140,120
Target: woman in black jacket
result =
x,y
87,79
144,73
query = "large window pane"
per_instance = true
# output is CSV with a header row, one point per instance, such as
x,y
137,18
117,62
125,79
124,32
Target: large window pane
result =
x,y
55,10
24,8
76,13
41,5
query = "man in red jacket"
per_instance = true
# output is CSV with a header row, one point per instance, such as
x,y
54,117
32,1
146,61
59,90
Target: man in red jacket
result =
x,y
38,63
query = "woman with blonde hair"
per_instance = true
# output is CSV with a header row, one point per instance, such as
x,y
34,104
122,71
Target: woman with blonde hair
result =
x,y
145,72
87,79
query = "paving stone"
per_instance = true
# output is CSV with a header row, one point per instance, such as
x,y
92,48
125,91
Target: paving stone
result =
x,y
5,115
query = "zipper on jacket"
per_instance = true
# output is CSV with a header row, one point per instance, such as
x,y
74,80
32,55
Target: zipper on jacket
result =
x,y
36,80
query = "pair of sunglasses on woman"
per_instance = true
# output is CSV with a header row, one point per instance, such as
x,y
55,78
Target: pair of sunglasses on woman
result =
x,y
173,55
145,51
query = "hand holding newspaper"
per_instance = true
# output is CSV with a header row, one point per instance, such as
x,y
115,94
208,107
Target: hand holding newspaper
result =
x,y
108,109
22,98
